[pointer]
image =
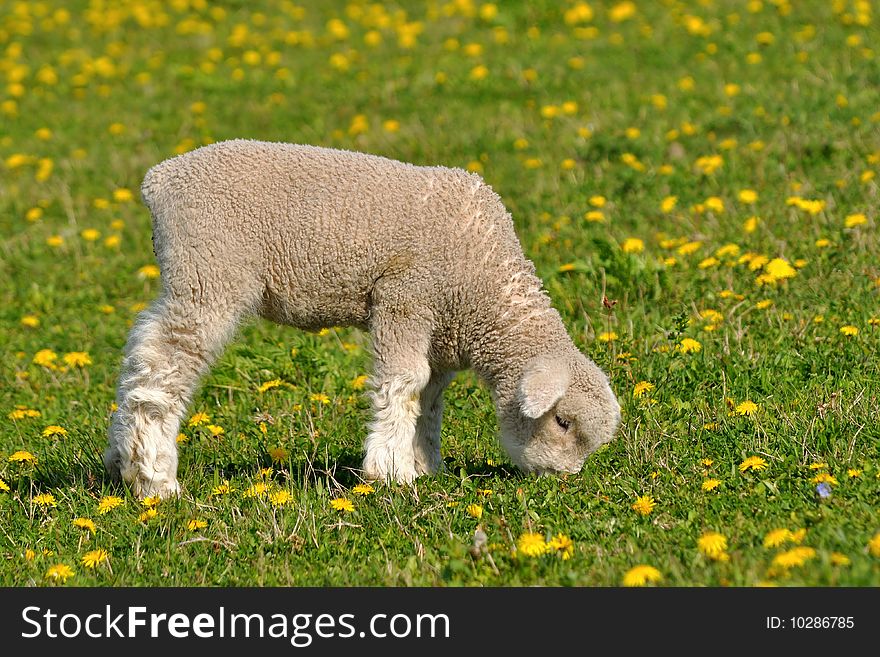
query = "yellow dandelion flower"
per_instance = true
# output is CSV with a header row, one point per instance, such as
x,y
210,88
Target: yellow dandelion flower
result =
x,y
849,331
607,336
95,558
60,572
688,248
22,413
641,388
668,203
689,345
839,559
874,545
713,545
30,321
641,575
280,498
359,382
824,478
644,504
563,545
215,429
752,463
363,489
776,537
197,419
257,490
108,503
149,272
22,456
853,220
632,245
148,515
474,511
342,504
531,545
151,501
77,359
794,557
223,489
748,408
54,430
710,484
85,523
853,473
779,269
748,195
320,397
45,500
4,487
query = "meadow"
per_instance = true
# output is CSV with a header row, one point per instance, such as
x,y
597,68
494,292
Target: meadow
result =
x,y
695,182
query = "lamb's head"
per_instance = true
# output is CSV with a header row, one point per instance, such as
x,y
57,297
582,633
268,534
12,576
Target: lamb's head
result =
x,y
564,410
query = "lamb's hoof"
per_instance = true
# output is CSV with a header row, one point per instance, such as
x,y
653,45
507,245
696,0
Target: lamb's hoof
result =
x,y
163,489
380,470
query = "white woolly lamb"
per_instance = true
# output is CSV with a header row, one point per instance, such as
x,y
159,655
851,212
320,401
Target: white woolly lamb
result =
x,y
425,258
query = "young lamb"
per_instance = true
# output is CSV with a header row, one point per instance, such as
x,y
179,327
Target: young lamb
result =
x,y
425,258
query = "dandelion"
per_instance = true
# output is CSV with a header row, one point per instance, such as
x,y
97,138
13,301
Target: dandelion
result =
x,y
824,478
776,537
22,456
109,503
60,572
148,515
280,498
21,413
710,484
85,523
77,359
320,397
641,575
215,430
748,196
747,408
257,490
54,430
30,321
223,489
849,331
95,558
853,220
342,504
359,382
531,545
474,511
632,245
689,345
196,524
839,559
713,545
779,269
197,419
607,336
853,473
874,545
644,504
795,557
4,487
563,545
641,388
753,463
151,501
268,385
363,489
45,500
148,272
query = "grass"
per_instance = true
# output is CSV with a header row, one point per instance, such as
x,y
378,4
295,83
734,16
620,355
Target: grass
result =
x,y
565,112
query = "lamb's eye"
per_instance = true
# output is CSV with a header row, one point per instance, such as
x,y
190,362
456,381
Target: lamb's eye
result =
x,y
564,424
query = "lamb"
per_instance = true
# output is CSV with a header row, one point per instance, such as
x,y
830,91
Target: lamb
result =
x,y
425,258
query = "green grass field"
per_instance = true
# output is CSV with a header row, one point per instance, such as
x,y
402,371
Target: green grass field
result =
x,y
707,166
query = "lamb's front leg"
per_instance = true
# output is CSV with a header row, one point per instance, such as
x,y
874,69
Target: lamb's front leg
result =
x,y
401,375
427,441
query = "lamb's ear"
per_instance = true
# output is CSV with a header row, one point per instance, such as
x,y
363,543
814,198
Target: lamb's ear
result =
x,y
543,383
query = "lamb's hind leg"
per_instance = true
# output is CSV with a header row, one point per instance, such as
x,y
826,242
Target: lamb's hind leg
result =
x,y
170,347
427,440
